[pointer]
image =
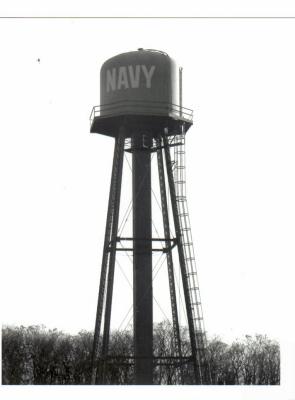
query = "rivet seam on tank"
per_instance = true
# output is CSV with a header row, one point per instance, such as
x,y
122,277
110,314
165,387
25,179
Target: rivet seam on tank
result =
x,y
128,77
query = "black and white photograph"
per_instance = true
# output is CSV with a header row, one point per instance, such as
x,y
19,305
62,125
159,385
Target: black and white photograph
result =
x,y
147,203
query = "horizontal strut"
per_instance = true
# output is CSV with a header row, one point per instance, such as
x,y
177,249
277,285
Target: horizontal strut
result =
x,y
151,239
163,249
150,149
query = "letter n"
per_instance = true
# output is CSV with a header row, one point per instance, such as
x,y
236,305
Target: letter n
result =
x,y
111,79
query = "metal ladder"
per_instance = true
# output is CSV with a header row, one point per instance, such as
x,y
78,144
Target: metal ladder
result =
x,y
179,175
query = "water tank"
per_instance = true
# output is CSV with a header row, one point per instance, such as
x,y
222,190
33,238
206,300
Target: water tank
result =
x,y
141,82
140,90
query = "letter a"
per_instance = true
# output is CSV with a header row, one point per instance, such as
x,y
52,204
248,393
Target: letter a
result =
x,y
122,78
134,77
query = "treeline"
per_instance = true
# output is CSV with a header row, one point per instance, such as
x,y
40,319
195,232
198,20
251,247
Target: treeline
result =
x,y
37,356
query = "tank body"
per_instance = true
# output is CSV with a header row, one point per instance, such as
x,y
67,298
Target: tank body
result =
x,y
143,82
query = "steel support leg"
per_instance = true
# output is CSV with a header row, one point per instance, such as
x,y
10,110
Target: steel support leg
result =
x,y
116,176
176,332
112,259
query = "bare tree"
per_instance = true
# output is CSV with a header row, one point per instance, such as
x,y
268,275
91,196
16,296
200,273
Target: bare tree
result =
x,y
35,355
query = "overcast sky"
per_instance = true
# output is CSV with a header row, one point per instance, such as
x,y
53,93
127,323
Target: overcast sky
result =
x,y
239,79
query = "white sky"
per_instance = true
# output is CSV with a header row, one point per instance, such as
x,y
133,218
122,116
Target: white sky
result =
x,y
148,8
239,79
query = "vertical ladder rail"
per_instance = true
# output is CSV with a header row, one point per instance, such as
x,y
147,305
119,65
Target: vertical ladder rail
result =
x,y
186,234
182,262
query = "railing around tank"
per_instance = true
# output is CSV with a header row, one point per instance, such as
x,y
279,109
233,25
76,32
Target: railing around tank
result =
x,y
141,108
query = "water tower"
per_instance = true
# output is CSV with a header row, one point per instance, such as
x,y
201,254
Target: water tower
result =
x,y
141,109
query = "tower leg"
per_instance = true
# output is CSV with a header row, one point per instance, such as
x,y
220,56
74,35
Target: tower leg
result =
x,y
142,263
176,333
112,259
116,170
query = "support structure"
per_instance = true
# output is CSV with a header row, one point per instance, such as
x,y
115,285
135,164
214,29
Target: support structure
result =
x,y
142,146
